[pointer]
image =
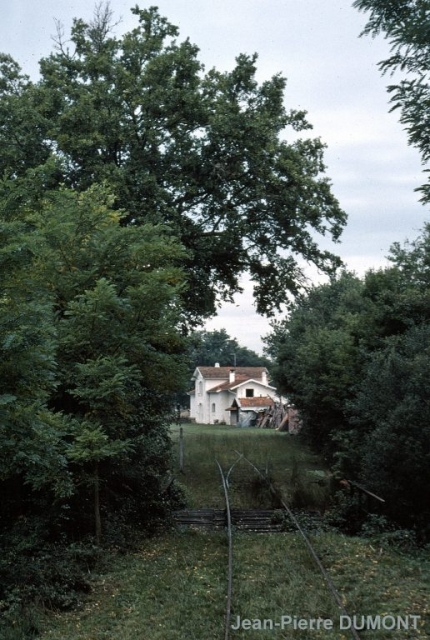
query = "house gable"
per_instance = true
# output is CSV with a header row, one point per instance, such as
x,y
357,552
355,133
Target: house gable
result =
x,y
216,388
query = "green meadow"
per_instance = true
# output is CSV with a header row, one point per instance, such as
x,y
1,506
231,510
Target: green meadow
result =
x,y
300,474
174,586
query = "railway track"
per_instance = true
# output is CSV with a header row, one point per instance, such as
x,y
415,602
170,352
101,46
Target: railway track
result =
x,y
252,520
228,518
334,592
224,478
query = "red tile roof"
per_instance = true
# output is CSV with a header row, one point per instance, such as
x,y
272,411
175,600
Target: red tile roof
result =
x,y
256,402
221,373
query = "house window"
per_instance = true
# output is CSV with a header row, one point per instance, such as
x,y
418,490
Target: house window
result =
x,y
213,407
249,393
200,388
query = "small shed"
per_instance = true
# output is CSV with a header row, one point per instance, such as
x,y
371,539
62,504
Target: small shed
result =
x,y
244,412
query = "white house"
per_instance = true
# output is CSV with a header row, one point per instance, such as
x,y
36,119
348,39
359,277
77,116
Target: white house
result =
x,y
230,395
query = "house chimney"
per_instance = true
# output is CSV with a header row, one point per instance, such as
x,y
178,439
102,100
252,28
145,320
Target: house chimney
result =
x,y
217,364
232,375
264,377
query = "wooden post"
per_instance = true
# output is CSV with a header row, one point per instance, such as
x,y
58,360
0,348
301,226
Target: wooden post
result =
x,y
267,467
181,450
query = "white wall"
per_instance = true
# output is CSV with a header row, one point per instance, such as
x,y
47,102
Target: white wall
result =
x,y
222,401
201,403
260,390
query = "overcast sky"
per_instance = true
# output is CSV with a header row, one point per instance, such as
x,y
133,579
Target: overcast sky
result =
x,y
331,72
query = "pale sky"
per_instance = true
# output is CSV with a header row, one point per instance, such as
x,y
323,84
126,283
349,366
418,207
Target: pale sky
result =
x,y
331,73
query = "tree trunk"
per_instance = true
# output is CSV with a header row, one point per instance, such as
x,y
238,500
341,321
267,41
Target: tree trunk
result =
x,y
181,450
97,517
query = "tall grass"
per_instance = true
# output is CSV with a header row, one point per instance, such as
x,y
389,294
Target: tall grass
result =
x,y
280,456
175,588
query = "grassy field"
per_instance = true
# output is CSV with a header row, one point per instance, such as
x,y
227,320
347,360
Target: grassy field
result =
x,y
294,468
174,589
174,586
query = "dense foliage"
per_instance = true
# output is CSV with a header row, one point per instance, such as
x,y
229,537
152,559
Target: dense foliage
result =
x,y
406,24
135,188
354,357
90,350
204,152
315,356
209,347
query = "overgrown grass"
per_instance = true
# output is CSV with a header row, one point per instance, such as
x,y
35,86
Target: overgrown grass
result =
x,y
174,589
293,467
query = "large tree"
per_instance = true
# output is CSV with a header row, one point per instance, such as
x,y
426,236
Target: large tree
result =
x,y
406,25
117,299
353,356
31,453
89,317
205,152
391,433
315,356
209,347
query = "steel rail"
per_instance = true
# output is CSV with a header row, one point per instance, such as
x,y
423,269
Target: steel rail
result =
x,y
314,554
230,470
230,554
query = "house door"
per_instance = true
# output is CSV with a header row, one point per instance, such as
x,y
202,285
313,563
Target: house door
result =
x,y
234,416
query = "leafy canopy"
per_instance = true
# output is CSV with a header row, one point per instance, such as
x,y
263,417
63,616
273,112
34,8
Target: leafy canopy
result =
x,y
354,358
209,347
90,346
406,24
214,155
30,434
316,358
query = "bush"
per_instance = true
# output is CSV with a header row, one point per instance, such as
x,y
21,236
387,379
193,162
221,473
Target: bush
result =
x,y
20,627
36,574
346,514
50,575
384,532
